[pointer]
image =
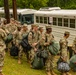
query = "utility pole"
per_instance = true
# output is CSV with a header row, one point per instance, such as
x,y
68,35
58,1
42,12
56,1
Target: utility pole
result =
x,y
14,9
6,10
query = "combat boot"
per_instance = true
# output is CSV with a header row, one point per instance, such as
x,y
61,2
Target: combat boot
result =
x,y
53,73
1,73
63,74
48,73
19,61
68,73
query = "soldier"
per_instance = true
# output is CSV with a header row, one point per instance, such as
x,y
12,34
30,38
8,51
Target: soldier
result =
x,y
49,61
33,39
74,45
11,28
2,48
41,37
63,48
22,33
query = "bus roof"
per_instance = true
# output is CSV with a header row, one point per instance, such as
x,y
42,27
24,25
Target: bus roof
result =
x,y
20,11
49,8
57,13
26,11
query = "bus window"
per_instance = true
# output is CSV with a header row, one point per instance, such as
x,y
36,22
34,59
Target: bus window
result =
x,y
72,23
59,21
45,20
37,19
54,21
28,19
65,22
41,19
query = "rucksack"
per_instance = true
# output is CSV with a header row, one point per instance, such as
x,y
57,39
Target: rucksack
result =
x,y
24,43
63,67
37,63
14,50
54,48
42,53
72,62
9,38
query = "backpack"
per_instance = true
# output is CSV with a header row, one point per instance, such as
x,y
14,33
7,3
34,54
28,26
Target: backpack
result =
x,y
72,62
54,48
14,50
25,44
37,63
9,38
63,67
42,53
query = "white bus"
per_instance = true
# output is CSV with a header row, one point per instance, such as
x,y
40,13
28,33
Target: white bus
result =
x,y
23,15
60,20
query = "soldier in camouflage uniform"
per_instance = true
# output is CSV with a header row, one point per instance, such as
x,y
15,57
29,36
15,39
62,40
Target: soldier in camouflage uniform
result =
x,y
74,45
63,48
11,28
33,39
41,38
2,48
49,61
22,33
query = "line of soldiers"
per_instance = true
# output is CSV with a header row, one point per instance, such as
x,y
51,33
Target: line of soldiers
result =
x,y
39,38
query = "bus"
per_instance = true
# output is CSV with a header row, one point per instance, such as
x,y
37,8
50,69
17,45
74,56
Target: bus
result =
x,y
23,15
60,20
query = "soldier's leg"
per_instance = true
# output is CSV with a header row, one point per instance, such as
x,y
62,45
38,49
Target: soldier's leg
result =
x,y
47,65
1,61
31,56
20,54
50,65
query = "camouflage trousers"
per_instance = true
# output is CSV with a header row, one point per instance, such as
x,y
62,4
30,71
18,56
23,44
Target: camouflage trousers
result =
x,y
2,54
31,55
49,64
20,51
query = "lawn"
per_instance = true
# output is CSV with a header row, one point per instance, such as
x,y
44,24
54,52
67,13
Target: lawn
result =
x,y
11,67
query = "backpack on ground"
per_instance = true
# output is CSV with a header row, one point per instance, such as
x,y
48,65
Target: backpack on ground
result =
x,y
63,67
72,62
37,63
14,50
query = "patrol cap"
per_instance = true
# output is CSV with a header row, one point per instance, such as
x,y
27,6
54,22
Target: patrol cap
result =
x,y
48,27
34,25
66,32
24,25
40,28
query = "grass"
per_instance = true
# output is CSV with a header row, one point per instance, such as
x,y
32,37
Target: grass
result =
x,y
11,67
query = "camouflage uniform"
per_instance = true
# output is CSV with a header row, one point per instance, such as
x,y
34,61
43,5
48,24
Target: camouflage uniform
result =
x,y
22,34
63,48
33,38
12,29
2,47
74,45
49,62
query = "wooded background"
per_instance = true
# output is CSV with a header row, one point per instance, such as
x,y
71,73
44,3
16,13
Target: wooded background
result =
x,y
36,4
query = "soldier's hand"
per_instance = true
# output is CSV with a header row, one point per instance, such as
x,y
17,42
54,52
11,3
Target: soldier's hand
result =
x,y
46,44
34,44
35,49
43,38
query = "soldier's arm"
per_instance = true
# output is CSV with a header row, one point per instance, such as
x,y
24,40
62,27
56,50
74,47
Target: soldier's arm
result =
x,y
30,40
4,35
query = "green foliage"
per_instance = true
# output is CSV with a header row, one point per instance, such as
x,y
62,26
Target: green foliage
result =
x,y
36,4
